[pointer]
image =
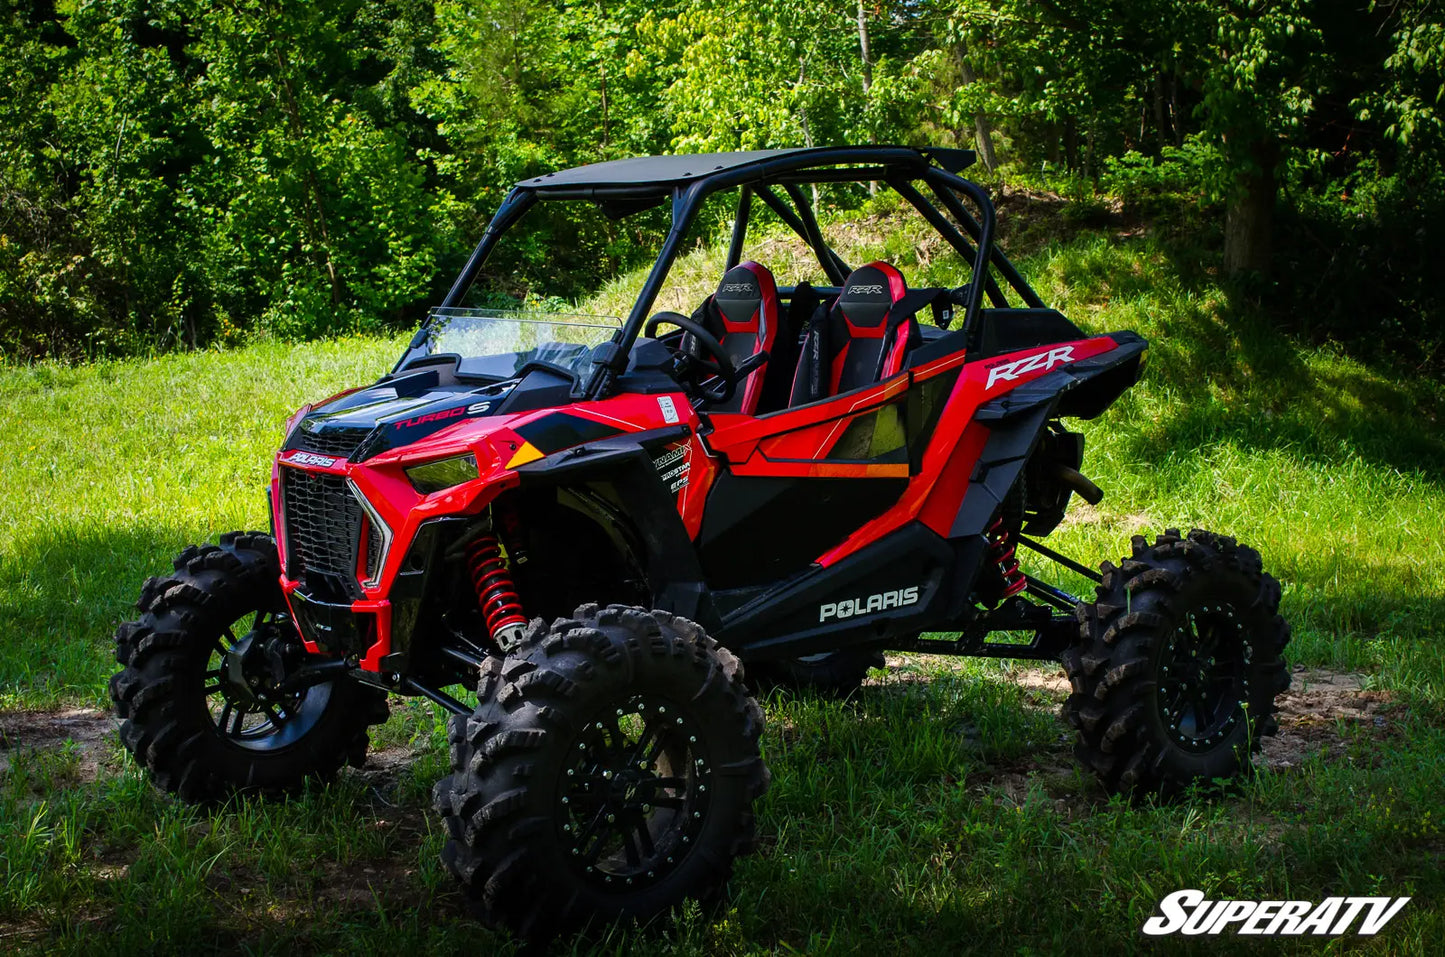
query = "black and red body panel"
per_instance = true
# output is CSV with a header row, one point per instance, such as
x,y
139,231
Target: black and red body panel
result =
x,y
856,518
861,483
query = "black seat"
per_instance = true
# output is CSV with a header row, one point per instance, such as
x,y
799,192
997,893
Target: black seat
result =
x,y
745,315
864,338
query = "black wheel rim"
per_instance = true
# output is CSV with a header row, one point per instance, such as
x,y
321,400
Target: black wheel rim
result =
x,y
243,694
1203,686
634,793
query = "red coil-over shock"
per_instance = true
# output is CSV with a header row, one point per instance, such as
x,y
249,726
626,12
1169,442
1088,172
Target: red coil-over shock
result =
x,y
496,592
1001,551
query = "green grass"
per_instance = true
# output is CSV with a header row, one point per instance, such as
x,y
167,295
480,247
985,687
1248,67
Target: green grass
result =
x,y
940,812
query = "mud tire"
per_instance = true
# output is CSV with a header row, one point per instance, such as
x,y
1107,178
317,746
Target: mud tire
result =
x,y
160,691
544,712
1132,732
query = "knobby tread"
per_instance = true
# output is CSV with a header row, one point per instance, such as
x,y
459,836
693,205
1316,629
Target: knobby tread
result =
x,y
498,801
1112,669
158,691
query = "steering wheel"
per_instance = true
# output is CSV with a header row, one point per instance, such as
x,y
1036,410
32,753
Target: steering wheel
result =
x,y
692,370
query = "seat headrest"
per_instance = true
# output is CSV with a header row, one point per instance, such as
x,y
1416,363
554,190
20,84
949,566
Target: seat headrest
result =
x,y
741,293
869,291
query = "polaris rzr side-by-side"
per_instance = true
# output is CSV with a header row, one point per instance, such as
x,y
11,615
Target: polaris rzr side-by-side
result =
x,y
593,522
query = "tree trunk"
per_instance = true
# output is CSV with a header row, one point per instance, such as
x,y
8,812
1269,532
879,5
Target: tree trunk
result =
x,y
316,223
606,130
1159,111
863,49
1053,134
1249,217
803,118
1175,121
867,58
1071,144
982,129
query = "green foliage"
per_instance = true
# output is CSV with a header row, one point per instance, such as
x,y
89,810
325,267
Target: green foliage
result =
x,y
1257,72
176,173
1412,99
942,804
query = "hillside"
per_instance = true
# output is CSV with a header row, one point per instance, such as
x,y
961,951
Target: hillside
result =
x,y
942,805
1334,469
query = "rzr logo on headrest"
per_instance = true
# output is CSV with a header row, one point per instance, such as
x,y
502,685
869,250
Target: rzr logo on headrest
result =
x,y
866,290
746,288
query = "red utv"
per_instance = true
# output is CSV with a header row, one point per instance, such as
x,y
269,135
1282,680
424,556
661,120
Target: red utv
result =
x,y
591,523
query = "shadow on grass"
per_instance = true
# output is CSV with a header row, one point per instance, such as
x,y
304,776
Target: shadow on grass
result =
x,y
1231,371
63,591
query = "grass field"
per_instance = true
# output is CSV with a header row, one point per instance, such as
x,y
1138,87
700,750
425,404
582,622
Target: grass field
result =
x,y
938,812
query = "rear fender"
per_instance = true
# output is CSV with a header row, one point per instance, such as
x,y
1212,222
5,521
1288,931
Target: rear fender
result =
x,y
1016,421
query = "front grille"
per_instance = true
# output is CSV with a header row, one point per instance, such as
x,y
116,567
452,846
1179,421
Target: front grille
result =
x,y
323,525
373,551
339,441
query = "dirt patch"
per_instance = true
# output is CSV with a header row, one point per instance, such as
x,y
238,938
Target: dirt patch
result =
x,y
1319,711
92,731
1134,523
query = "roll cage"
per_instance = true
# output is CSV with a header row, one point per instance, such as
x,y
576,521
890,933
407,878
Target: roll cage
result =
x,y
624,187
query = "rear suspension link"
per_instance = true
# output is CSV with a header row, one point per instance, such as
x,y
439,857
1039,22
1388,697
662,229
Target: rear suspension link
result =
x,y
1001,550
496,591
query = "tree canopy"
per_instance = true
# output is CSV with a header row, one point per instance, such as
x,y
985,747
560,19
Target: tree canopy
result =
x,y
177,173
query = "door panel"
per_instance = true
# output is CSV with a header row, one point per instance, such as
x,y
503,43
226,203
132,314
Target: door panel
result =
x,y
757,530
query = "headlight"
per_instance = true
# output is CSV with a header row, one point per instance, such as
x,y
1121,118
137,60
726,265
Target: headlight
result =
x,y
443,473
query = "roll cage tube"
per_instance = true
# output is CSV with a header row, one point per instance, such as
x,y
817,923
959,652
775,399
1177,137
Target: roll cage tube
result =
x,y
755,173
740,227
610,360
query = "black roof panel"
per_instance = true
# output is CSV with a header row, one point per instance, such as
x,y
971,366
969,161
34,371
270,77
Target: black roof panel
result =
x,y
665,172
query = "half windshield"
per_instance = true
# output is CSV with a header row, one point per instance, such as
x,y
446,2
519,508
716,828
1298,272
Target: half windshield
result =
x,y
501,343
